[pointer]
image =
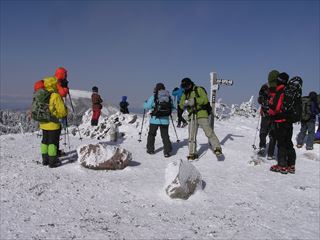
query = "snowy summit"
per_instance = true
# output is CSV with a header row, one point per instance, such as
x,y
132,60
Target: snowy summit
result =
x,y
236,200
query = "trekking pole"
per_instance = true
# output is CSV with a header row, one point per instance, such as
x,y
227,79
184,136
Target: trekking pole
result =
x,y
174,128
144,113
75,114
255,136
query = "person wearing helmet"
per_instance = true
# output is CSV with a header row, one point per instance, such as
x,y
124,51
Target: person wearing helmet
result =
x,y
96,106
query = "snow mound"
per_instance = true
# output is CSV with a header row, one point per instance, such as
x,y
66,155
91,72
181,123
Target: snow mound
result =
x,y
182,179
103,157
108,125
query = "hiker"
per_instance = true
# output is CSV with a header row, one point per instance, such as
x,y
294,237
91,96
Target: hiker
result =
x,y
96,106
62,82
310,110
124,105
283,128
51,130
266,127
195,100
177,93
161,105
63,90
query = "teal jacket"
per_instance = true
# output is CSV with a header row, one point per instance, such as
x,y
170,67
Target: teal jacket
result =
x,y
200,100
149,105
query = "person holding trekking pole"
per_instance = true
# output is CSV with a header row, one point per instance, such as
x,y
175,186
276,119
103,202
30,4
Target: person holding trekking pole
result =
x,y
51,127
196,101
161,105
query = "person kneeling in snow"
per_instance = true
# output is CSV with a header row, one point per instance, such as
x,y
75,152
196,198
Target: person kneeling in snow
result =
x,y
51,130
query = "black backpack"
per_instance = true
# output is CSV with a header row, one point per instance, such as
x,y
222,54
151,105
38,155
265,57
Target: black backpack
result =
x,y
207,106
292,102
163,104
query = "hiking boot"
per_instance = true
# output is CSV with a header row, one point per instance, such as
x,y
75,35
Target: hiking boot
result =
x,y
261,152
54,162
151,152
271,157
309,148
284,170
299,145
192,156
184,124
178,126
292,169
275,168
217,151
166,155
45,159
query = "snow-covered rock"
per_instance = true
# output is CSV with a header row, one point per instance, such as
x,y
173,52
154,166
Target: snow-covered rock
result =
x,y
103,157
182,179
107,128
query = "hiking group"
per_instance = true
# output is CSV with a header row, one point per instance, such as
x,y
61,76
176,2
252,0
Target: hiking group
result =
x,y
281,103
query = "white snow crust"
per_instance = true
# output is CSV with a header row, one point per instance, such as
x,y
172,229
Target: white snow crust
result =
x,y
239,201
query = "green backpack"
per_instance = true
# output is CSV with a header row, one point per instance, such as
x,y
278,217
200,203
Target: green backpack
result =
x,y
306,109
40,106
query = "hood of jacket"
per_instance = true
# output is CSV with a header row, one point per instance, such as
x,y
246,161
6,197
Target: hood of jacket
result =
x,y
50,84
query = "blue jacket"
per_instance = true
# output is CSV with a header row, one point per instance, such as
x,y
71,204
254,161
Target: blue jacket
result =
x,y
149,105
178,93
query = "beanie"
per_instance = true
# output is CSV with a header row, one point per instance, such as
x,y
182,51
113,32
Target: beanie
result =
x,y
283,78
186,82
94,89
313,96
159,86
124,98
272,78
61,73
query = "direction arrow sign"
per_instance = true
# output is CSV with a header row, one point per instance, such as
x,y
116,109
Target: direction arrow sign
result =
x,y
225,82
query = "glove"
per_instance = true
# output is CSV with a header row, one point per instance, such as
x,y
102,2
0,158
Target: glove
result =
x,y
189,102
64,83
63,122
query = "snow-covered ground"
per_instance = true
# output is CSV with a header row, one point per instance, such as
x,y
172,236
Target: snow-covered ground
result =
x,y
239,200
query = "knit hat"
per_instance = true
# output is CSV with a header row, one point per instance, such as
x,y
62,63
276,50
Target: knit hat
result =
x,y
61,73
313,96
283,78
124,98
159,86
186,82
272,78
94,89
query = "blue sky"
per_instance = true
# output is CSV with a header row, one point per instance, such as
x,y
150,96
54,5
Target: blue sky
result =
x,y
126,47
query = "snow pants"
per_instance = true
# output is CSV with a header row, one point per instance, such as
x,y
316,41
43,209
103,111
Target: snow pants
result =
x,y
209,132
95,116
49,146
286,152
164,131
309,127
266,128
